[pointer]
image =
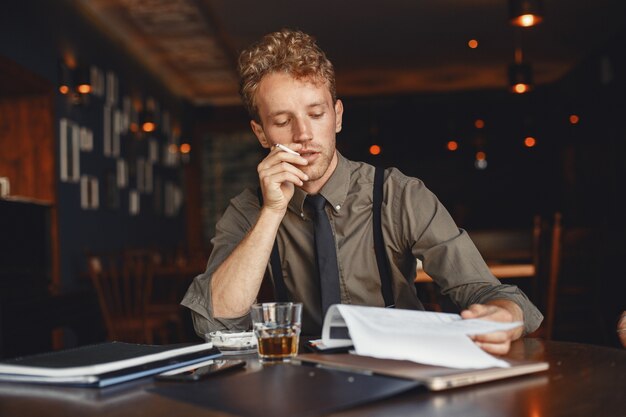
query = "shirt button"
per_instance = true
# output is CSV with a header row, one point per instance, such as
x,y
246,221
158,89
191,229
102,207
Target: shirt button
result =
x,y
302,214
337,207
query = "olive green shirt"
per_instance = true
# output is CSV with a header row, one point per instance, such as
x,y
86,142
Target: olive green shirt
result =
x,y
415,225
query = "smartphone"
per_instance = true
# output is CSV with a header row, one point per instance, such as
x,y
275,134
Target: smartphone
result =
x,y
201,370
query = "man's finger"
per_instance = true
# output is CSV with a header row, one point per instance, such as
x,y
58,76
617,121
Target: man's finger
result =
x,y
495,348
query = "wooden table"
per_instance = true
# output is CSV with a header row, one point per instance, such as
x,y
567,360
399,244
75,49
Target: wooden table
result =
x,y
501,271
583,380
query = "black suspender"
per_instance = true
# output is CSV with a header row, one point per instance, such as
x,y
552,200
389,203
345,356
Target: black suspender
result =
x,y
379,243
280,290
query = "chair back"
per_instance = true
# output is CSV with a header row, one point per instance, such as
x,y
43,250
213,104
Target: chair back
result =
x,y
529,246
121,288
505,245
574,262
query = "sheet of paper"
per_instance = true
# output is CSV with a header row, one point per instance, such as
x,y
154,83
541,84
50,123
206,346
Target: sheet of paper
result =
x,y
426,337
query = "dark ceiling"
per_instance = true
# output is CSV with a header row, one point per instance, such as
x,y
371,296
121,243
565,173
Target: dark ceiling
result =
x,y
378,48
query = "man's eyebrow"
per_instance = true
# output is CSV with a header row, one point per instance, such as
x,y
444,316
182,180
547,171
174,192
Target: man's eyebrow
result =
x,y
320,104
309,106
277,113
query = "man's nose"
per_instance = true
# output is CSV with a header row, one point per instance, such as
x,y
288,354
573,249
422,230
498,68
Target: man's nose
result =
x,y
302,131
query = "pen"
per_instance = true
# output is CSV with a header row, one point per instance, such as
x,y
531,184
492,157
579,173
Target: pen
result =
x,y
286,149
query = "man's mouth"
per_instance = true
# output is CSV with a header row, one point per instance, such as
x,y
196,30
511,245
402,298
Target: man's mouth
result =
x,y
307,153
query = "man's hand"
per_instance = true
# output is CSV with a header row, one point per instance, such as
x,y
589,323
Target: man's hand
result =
x,y
621,329
278,175
506,311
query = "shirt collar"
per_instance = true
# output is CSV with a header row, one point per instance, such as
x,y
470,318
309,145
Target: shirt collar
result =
x,y
335,191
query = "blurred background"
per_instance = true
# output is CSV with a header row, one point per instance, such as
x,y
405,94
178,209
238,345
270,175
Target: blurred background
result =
x,y
122,139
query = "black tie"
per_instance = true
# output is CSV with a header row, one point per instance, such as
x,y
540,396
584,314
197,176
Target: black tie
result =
x,y
325,253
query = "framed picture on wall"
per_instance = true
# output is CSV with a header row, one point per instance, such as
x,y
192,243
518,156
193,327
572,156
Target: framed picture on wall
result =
x,y
170,154
97,81
153,151
89,192
86,139
69,145
111,89
133,202
144,175
173,199
121,173
116,129
106,131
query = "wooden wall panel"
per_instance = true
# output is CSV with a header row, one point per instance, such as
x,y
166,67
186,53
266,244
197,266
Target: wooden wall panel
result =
x,y
27,157
27,146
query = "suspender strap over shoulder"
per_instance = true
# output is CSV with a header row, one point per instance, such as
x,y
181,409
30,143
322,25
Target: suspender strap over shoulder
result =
x,y
379,243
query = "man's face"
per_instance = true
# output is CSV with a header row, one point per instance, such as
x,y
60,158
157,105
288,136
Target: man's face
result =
x,y
298,111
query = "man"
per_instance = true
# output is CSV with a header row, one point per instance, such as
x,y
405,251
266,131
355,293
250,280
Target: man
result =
x,y
288,86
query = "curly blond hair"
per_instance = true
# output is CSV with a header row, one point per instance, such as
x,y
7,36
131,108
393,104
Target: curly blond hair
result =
x,y
290,51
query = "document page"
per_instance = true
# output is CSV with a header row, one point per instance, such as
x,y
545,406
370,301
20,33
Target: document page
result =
x,y
426,337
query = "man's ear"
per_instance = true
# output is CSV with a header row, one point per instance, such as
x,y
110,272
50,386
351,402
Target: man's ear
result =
x,y
338,115
260,133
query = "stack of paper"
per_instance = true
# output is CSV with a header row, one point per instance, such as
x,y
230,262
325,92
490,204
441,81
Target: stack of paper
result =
x,y
430,338
103,364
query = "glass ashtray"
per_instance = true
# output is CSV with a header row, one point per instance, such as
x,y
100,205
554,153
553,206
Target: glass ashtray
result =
x,y
232,342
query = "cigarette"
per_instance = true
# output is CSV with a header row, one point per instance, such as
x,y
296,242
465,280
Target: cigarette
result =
x,y
286,149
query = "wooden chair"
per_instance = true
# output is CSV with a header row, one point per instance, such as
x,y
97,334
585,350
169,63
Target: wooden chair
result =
x,y
572,294
525,251
509,246
162,301
122,286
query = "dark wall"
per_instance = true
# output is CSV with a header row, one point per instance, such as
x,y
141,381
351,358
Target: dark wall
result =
x,y
39,34
413,132
574,168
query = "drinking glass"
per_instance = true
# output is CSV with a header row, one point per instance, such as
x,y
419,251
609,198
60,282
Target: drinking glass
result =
x,y
277,329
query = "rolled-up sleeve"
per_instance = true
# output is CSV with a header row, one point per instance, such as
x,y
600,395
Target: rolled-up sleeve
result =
x,y
230,230
450,257
198,300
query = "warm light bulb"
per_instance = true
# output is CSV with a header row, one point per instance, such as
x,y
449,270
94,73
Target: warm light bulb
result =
x,y
520,88
452,145
473,43
479,123
574,119
185,148
527,20
375,150
148,127
529,142
84,88
480,156
64,89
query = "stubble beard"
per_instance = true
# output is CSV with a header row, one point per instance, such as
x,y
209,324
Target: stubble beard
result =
x,y
321,165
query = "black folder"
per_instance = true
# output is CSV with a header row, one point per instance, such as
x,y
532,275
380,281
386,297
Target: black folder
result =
x,y
285,390
103,364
